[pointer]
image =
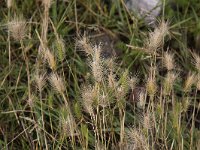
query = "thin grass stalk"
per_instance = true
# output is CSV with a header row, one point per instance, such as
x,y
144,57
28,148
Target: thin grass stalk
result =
x,y
122,131
8,39
70,115
104,128
42,115
96,125
26,60
27,68
193,121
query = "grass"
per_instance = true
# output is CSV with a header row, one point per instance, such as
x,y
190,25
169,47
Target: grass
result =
x,y
60,89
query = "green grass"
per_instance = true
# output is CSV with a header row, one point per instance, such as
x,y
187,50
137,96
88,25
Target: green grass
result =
x,y
84,108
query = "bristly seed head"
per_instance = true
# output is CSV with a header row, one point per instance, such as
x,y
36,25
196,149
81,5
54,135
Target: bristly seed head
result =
x,y
57,83
97,64
151,86
147,121
132,82
135,140
84,45
49,56
9,3
185,104
168,61
169,82
198,82
60,48
88,95
191,79
196,61
103,99
40,80
17,28
68,125
156,37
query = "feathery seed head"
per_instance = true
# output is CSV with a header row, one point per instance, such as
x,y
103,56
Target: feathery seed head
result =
x,y
96,64
17,28
49,56
112,83
57,83
139,96
40,81
156,37
68,125
96,55
84,44
164,27
198,82
60,48
196,61
147,121
132,82
135,139
142,100
151,86
168,61
121,92
110,64
9,3
190,80
185,104
168,82
88,95
103,100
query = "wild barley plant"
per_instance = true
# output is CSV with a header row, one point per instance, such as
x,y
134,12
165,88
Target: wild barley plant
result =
x,y
104,99
104,96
